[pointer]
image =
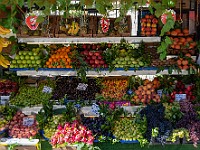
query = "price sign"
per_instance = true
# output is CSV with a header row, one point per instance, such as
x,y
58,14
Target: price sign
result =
x,y
82,86
179,97
47,89
4,100
28,121
159,92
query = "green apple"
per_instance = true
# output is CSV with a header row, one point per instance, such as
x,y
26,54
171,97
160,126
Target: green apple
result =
x,y
38,62
30,53
14,61
19,61
37,57
22,57
20,52
27,57
32,58
24,61
28,61
17,57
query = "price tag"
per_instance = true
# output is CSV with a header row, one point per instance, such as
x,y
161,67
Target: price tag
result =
x,y
47,89
28,121
179,97
159,92
82,86
4,100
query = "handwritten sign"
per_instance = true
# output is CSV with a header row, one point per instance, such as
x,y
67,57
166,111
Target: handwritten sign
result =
x,y
47,89
179,97
27,121
82,86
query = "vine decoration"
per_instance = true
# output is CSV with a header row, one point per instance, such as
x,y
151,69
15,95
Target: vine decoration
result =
x,y
102,6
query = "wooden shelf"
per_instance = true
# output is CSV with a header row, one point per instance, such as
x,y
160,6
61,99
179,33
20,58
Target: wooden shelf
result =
x,y
90,40
94,73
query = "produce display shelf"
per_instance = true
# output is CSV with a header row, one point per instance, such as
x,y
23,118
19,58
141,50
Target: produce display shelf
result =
x,y
89,40
98,73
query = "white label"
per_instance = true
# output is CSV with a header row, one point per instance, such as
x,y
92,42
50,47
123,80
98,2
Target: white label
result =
x,y
82,87
4,100
159,92
28,121
179,97
47,89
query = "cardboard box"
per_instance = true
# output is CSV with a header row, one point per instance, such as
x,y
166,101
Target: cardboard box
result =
x,y
20,148
185,4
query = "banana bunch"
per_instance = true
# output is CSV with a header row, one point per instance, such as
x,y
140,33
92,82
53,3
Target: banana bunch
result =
x,y
4,31
4,62
74,28
4,42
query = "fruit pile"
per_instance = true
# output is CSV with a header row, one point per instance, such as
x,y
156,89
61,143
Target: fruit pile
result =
x,y
185,63
125,59
60,58
3,123
72,133
30,96
156,123
149,25
18,128
68,86
147,92
165,63
92,55
27,59
7,87
127,129
51,126
114,89
181,42
180,88
98,125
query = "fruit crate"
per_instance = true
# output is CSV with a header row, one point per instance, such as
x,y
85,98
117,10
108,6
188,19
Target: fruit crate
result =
x,y
45,29
62,26
121,29
147,26
22,144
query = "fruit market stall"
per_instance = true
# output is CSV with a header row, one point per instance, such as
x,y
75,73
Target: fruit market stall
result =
x,y
99,75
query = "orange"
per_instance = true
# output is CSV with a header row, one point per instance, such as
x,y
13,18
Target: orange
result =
x,y
179,62
178,31
186,31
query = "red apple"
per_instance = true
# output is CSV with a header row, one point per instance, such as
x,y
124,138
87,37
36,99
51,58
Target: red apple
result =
x,y
91,61
90,53
155,21
143,20
94,57
102,62
99,57
147,16
96,61
97,53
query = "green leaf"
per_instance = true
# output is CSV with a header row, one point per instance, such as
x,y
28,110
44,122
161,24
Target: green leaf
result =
x,y
168,40
3,7
40,19
20,3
